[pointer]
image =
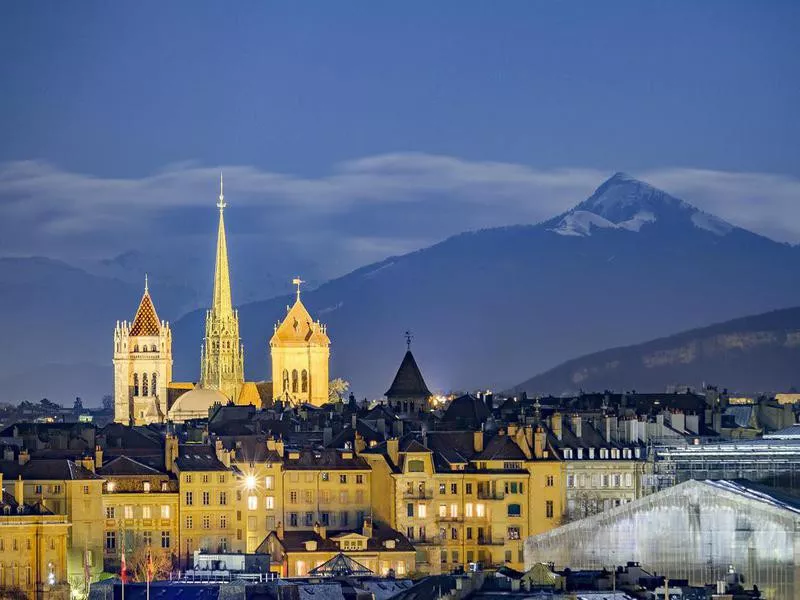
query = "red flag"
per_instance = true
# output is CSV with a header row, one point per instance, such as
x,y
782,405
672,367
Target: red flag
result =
x,y
123,570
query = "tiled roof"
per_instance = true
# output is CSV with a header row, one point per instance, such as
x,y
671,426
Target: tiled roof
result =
x,y
46,470
323,459
467,412
408,382
123,465
501,447
196,457
295,540
146,320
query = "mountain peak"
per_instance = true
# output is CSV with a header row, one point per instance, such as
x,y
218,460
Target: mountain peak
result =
x,y
624,202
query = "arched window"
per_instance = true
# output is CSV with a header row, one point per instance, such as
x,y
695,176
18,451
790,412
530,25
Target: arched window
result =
x,y
144,384
294,381
304,381
153,385
153,348
135,384
285,380
136,347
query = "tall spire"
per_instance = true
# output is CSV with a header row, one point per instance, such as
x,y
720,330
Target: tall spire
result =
x,y
222,304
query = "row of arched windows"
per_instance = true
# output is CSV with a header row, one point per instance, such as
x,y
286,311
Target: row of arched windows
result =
x,y
152,389
303,381
152,348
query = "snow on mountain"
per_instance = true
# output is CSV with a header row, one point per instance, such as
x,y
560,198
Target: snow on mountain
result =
x,y
625,203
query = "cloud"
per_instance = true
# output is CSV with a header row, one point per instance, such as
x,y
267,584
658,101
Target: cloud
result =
x,y
362,210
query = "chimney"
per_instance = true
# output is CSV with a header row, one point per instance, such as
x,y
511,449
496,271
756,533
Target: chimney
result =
x,y
556,424
24,457
8,452
321,530
366,530
511,430
98,457
223,455
170,451
529,435
393,450
87,462
539,443
608,429
18,491
477,441
577,425
279,530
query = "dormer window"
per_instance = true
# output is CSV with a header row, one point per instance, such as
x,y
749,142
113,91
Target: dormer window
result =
x,y
626,453
603,452
591,452
615,453
580,453
568,453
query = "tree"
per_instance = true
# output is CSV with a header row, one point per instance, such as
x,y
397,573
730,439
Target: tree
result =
x,y
12,593
337,389
108,402
137,565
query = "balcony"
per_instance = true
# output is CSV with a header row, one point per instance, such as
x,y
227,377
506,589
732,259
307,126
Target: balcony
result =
x,y
490,495
450,519
418,495
431,540
487,541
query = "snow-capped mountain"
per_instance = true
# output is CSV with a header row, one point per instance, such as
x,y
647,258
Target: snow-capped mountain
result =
x,y
488,308
626,203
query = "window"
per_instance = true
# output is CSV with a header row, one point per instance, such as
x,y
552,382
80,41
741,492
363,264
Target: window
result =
x,y
293,519
252,502
206,522
294,381
269,503
359,479
223,498
359,496
187,479
469,533
628,480
188,521
615,453
567,453
144,384
454,533
147,512
146,486
342,478
205,478
111,540
548,509
269,482
128,511
165,539
325,476
416,466
605,480
603,452
442,488
57,489
109,512
422,511
480,510
324,517
570,481
410,533
616,479
514,510
344,497
304,381
223,544
147,537
136,378
508,555
442,510
153,381
512,465
165,511
548,482
189,498
410,510
206,498
467,488
37,489
453,488
308,496
86,489
454,511
468,509
455,556
292,497
513,533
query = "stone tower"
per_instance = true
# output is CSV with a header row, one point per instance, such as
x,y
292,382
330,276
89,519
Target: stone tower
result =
x,y
142,366
222,357
300,349
408,393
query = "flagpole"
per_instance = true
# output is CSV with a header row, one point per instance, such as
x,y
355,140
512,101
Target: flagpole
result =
x,y
147,576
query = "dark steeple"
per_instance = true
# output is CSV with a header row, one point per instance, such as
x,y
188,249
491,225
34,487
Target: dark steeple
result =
x,y
408,383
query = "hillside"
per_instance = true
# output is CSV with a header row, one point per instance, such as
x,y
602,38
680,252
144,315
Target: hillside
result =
x,y
759,353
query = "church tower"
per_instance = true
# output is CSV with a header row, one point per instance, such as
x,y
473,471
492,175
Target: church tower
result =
x,y
222,357
300,349
142,366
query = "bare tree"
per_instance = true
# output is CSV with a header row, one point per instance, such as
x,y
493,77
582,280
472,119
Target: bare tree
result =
x,y
161,563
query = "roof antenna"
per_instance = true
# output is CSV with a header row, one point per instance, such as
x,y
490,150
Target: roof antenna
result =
x,y
145,283
409,337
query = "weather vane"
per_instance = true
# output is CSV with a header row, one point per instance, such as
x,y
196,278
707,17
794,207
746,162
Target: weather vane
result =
x,y
297,281
408,340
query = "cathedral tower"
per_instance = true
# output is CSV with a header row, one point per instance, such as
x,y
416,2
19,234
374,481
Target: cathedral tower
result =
x,y
222,358
142,366
300,349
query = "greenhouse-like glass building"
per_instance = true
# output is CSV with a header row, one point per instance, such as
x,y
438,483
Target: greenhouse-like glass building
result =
x,y
696,530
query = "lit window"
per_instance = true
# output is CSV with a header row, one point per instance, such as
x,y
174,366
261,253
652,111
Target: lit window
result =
x,y
480,510
442,510
146,486
128,511
468,509
422,511
269,482
514,510
252,502
454,510
270,502
146,512
109,512
165,511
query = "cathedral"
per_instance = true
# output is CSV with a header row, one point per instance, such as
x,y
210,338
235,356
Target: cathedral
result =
x,y
144,392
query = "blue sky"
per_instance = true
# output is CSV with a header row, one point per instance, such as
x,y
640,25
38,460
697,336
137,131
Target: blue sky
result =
x,y
110,94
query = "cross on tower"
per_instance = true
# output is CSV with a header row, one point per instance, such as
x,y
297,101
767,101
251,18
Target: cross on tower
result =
x,y
408,337
221,204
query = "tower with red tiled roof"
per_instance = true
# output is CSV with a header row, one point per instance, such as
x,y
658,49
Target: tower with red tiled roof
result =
x,y
142,365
